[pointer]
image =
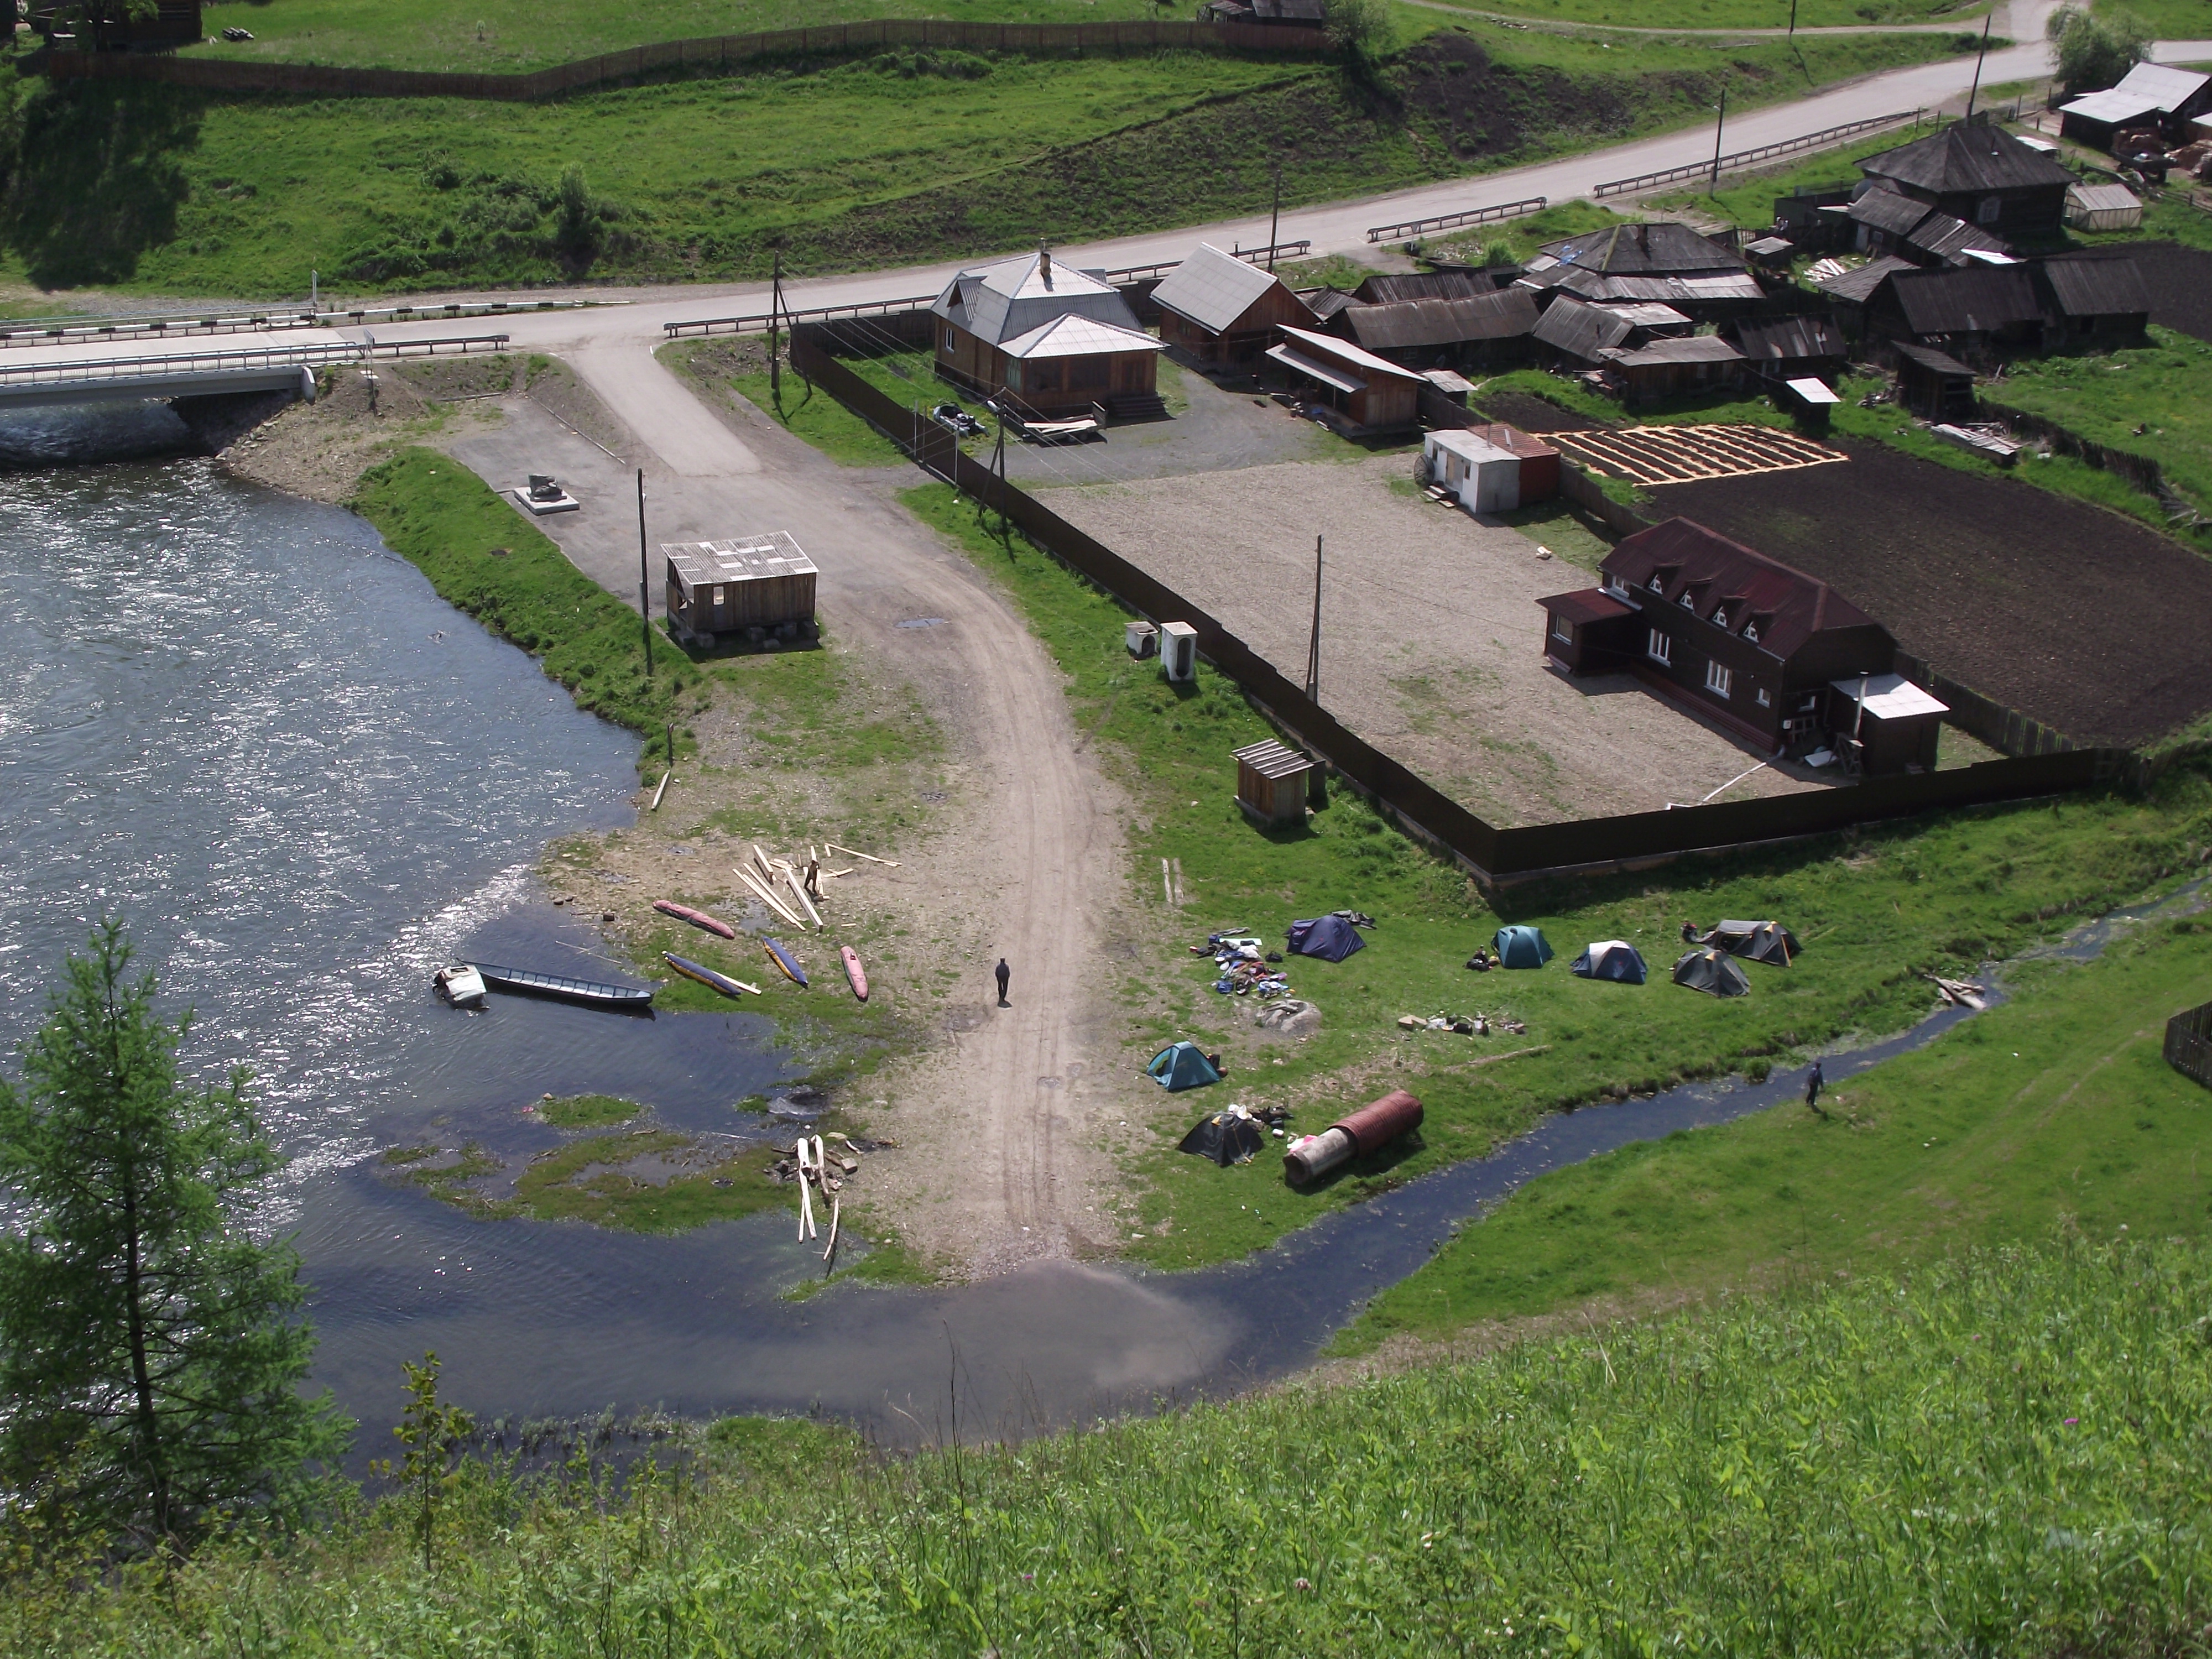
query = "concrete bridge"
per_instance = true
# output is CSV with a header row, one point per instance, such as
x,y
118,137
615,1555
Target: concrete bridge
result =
x,y
208,373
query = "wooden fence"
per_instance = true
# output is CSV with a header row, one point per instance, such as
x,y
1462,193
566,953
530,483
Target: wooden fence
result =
x,y
668,58
2188,1044
1493,855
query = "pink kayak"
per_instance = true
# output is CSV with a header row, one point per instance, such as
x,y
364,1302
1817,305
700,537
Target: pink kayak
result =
x,y
852,972
698,919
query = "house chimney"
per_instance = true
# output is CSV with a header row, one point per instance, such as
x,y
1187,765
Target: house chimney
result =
x,y
1044,263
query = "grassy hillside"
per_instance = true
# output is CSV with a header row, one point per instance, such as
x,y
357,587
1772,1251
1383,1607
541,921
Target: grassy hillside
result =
x,y
2002,1453
1741,14
897,158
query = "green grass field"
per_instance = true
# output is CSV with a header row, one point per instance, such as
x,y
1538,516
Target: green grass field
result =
x,y
2054,1109
849,164
1980,884
1741,14
2003,1453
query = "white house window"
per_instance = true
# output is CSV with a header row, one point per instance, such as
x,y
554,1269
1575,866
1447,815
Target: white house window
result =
x,y
1560,631
1718,679
1659,648
948,339
1988,209
717,597
1763,700
1614,585
1658,586
1720,615
1751,632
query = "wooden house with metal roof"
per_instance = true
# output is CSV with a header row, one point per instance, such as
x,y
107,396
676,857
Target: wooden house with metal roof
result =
x,y
1778,349
750,583
1366,394
1934,383
1980,311
1223,309
1384,288
1669,263
2093,299
1476,331
1737,638
1976,172
2157,97
1050,337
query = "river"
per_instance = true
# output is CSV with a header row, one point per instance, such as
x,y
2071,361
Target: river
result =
x,y
240,722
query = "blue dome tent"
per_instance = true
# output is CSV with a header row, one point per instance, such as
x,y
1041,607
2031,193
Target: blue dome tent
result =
x,y
1182,1065
1330,937
1613,959
1521,947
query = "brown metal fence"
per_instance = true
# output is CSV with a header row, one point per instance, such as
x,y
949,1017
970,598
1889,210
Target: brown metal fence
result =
x,y
2188,1044
1492,854
715,52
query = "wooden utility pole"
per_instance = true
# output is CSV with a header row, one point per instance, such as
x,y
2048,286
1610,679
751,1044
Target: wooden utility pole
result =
x,y
644,581
1717,126
1313,649
1974,91
1793,19
1275,219
774,335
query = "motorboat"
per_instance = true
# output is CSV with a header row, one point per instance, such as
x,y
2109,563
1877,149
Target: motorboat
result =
x,y
460,984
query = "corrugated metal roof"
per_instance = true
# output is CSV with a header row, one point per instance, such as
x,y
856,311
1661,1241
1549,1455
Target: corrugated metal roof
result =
x,y
1890,210
1212,289
2167,87
1331,349
1965,301
2093,286
1682,562
1496,316
1326,373
751,558
1698,348
1788,339
1581,330
2103,198
1645,249
1688,289
1951,241
1423,285
1932,360
1651,313
1970,156
1890,696
1079,336
1858,287
1272,759
2112,108
1010,298
1326,302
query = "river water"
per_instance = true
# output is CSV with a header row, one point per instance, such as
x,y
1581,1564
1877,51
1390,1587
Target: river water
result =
x,y
240,722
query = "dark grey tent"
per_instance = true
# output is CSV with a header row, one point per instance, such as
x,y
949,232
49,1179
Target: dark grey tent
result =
x,y
1227,1137
1610,958
1758,941
1712,972
1330,937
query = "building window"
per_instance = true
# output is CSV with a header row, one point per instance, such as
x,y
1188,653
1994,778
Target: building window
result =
x,y
1764,702
1989,209
1720,616
1560,631
717,601
1718,679
1659,648
1659,586
1751,632
1614,585
948,339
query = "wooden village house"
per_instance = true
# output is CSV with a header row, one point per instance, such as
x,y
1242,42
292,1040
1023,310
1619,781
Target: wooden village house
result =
x,y
1976,172
2154,99
1363,393
1222,309
1052,338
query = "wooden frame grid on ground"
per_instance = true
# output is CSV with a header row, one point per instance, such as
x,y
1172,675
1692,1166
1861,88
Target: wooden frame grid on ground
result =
x,y
1674,454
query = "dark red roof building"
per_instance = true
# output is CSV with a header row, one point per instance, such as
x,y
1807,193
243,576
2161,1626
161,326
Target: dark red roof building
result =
x,y
1708,623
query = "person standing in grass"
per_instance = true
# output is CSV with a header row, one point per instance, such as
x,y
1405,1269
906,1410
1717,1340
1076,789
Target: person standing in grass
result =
x,y
1813,1080
1006,975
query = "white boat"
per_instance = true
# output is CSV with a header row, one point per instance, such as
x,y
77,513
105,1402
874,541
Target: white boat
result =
x,y
461,985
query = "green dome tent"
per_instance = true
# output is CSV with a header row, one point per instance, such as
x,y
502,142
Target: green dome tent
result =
x,y
1182,1065
1521,947
1713,972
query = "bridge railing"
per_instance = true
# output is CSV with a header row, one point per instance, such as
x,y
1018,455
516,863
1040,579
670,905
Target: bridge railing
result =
x,y
1406,230
314,356
1746,158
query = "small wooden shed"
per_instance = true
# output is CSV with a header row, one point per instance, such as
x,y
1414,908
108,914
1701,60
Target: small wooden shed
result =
x,y
1271,783
1369,393
754,583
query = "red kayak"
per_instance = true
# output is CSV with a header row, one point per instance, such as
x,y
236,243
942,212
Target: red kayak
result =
x,y
852,972
698,919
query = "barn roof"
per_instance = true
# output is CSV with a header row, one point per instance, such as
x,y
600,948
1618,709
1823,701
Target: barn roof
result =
x,y
1694,349
748,558
2093,286
1682,562
2155,86
1423,285
1954,240
1690,287
1970,156
1010,298
1858,287
2111,108
1326,302
1889,210
1967,302
2103,198
1934,362
1582,330
1644,249
1343,357
1786,339
1498,316
1212,289
1079,336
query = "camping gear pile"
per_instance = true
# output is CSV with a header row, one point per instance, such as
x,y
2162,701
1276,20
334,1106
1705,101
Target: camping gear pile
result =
x,y
1245,970
1614,959
1369,1129
1233,1134
1464,1024
1182,1065
1332,938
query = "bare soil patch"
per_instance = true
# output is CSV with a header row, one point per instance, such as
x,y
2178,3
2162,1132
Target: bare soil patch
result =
x,y
2076,616
1432,638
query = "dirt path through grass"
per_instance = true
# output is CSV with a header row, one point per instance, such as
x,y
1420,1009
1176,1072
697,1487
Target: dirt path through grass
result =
x,y
995,1165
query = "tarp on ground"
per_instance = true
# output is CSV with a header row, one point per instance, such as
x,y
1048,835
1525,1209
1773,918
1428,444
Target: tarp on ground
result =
x,y
1613,959
1714,972
1182,1065
1226,1137
1521,947
1758,941
1330,937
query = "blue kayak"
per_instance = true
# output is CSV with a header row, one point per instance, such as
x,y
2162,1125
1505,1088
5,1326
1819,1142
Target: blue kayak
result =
x,y
783,959
707,976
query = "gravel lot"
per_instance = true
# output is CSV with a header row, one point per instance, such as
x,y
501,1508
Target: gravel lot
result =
x,y
1431,637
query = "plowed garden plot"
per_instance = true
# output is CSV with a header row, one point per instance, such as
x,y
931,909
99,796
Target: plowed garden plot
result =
x,y
1677,454
2073,615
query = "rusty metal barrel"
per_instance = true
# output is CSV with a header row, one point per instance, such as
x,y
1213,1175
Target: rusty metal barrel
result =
x,y
1373,1125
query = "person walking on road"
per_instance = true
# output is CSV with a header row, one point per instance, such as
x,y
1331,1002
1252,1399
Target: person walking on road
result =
x,y
1005,974
1814,1080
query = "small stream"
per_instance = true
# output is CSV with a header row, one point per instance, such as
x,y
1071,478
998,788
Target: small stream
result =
x,y
239,721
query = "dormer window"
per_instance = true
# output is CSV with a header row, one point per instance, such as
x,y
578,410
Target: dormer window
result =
x,y
1659,585
1719,617
1687,602
1751,632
